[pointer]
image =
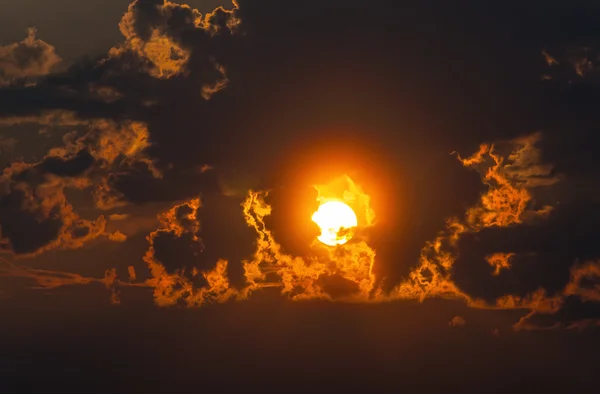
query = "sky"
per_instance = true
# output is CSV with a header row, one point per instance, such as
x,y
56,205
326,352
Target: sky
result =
x,y
161,163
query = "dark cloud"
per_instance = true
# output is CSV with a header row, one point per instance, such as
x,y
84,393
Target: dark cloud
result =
x,y
28,59
180,276
67,168
24,232
281,96
181,168
139,185
543,253
37,215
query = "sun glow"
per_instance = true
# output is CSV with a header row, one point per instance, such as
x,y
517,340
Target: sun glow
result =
x,y
337,222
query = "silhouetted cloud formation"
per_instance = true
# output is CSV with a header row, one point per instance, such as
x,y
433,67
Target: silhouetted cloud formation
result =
x,y
28,59
459,138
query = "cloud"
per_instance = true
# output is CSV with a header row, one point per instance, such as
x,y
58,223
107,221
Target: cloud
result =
x,y
132,274
110,282
510,179
117,236
128,88
499,231
169,35
500,261
181,276
46,118
457,321
36,218
49,280
178,275
576,64
29,59
513,172
44,279
576,307
343,273
246,102
36,215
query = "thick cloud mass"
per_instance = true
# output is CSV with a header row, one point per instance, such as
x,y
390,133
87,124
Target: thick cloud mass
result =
x,y
463,132
29,58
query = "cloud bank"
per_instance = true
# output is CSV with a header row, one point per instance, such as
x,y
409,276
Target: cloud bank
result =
x,y
259,111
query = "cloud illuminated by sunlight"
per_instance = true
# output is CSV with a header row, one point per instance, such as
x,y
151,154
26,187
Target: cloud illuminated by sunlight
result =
x,y
306,277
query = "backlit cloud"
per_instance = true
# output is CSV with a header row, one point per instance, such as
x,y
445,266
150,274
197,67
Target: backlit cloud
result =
x,y
196,112
167,35
457,321
172,261
343,273
28,59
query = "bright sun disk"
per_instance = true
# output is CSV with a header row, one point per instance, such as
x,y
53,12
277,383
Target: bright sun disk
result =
x,y
336,221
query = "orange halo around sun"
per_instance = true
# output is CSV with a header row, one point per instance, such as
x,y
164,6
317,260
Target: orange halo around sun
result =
x,y
337,222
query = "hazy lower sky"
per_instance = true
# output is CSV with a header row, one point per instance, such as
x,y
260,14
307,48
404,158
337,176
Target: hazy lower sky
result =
x,y
74,27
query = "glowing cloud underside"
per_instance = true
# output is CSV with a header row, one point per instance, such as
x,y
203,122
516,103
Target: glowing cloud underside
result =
x,y
307,277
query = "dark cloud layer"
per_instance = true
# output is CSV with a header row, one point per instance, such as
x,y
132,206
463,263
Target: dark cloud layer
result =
x,y
279,96
543,253
30,58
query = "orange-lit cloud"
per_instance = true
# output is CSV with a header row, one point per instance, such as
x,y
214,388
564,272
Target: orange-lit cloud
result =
x,y
166,39
457,321
510,178
30,58
46,118
573,63
500,261
132,274
111,143
179,286
589,271
49,280
512,170
551,61
306,277
47,208
117,236
345,273
36,191
45,279
539,303
159,33
110,282
584,324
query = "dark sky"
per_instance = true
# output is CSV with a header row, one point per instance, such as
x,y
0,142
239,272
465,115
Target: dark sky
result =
x,y
161,163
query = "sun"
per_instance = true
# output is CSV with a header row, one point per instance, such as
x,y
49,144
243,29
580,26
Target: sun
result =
x,y
337,222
